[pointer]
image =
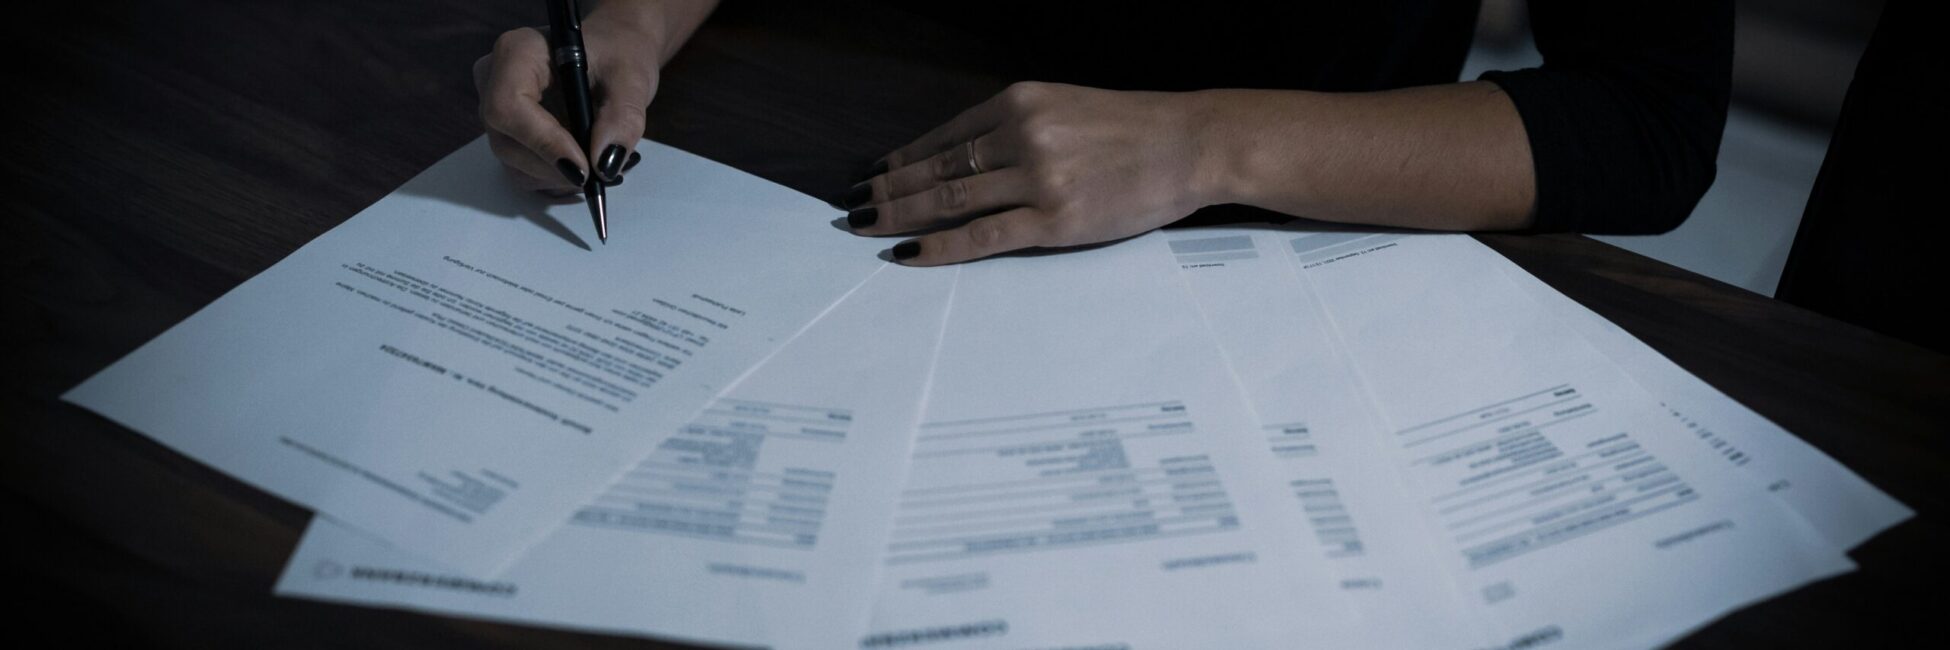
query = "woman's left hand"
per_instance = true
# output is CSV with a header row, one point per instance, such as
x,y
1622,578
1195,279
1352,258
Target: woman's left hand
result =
x,y
1038,165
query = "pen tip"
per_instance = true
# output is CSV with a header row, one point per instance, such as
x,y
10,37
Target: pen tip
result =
x,y
599,210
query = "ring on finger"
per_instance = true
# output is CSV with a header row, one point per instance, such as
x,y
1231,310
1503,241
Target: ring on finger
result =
x,y
974,164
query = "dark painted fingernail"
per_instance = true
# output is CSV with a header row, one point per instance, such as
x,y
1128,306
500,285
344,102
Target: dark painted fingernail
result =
x,y
858,196
862,218
610,163
614,183
879,167
570,171
907,249
634,159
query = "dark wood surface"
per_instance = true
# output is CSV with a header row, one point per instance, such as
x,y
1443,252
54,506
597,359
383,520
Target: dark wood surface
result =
x,y
161,153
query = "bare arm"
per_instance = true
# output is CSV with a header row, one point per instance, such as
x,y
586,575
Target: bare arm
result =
x,y
1450,157
669,22
1617,132
1058,165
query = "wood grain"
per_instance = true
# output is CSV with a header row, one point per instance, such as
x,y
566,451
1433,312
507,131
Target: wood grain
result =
x,y
166,151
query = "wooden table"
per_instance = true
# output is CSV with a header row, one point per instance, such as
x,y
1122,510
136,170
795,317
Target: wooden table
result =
x,y
170,150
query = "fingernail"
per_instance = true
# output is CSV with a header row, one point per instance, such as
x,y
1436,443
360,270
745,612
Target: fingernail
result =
x,y
570,171
614,183
858,196
907,249
610,163
634,159
862,218
879,167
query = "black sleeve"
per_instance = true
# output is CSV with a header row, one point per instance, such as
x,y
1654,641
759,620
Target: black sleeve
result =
x,y
1625,115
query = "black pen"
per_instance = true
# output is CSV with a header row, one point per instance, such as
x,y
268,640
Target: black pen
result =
x,y
572,76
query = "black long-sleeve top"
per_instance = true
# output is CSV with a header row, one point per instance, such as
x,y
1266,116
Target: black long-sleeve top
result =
x,y
1624,117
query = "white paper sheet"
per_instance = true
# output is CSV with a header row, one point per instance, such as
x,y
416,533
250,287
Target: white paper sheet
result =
x,y
1839,503
1087,476
760,523
455,370
1569,506
1317,423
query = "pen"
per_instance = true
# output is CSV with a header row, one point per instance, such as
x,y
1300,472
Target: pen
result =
x,y
572,76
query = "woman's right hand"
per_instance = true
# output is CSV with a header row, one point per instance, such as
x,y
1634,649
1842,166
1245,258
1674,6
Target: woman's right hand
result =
x,y
626,48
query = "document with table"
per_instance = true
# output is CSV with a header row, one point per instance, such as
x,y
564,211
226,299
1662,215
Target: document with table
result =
x,y
744,527
1317,423
454,371
1839,504
1521,476
1076,480
735,424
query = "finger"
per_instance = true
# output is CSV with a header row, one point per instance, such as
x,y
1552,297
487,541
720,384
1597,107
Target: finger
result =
x,y
1000,233
626,95
511,98
980,119
982,154
950,200
533,172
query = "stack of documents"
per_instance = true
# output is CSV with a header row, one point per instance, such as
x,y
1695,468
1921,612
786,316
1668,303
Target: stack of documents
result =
x,y
735,424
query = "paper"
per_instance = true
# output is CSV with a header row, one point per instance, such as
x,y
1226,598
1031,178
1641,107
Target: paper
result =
x,y
1566,504
1317,423
1836,501
1228,437
455,370
1083,476
760,523
1844,507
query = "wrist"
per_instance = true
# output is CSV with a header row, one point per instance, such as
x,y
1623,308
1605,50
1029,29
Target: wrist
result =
x,y
1256,147
1220,160
649,23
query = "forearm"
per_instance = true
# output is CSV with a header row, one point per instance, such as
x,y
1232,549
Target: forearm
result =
x,y
1452,157
669,23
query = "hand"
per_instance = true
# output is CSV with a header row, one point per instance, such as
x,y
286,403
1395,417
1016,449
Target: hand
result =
x,y
1048,164
624,57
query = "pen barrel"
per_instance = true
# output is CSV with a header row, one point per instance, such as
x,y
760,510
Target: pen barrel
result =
x,y
572,69
570,63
